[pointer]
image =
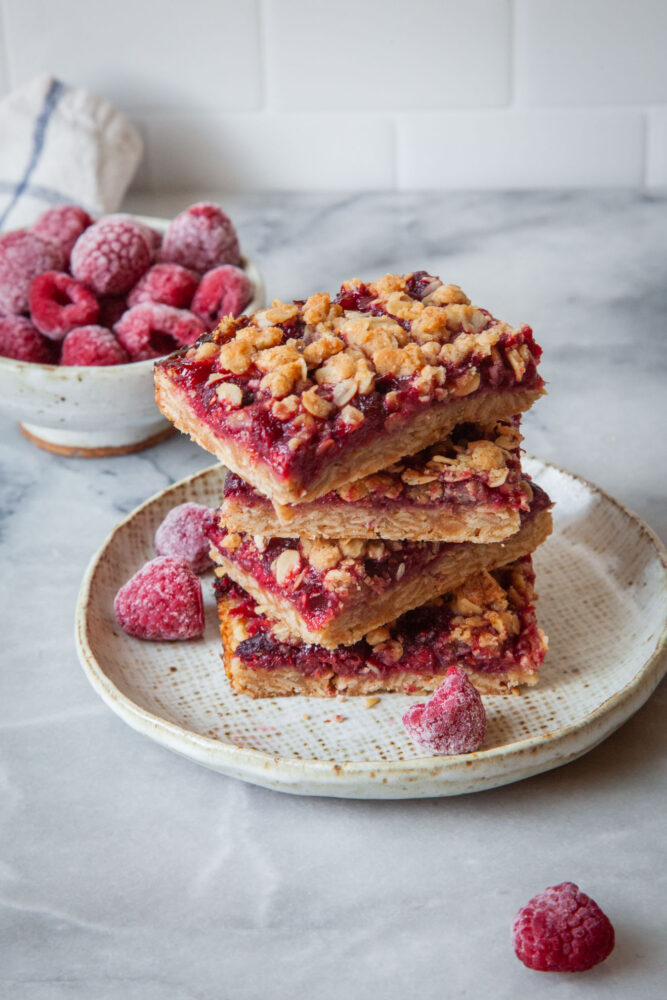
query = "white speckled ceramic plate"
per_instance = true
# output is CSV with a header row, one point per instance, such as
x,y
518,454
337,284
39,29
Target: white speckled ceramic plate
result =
x,y
603,602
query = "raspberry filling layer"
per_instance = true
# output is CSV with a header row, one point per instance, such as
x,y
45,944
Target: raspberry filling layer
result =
x,y
296,444
488,625
443,476
321,579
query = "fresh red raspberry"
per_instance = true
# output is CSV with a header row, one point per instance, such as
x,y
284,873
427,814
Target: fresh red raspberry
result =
x,y
58,303
152,330
111,256
168,283
453,719
23,256
63,225
112,308
562,930
202,237
224,291
20,340
162,601
92,345
182,535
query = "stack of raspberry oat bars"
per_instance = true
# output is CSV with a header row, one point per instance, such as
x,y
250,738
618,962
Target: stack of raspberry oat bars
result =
x,y
376,527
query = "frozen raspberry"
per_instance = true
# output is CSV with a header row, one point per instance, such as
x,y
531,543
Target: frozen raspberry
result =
x,y
169,283
152,236
224,291
112,308
182,535
562,930
111,256
58,303
23,256
20,340
92,345
162,601
152,330
63,225
202,237
453,719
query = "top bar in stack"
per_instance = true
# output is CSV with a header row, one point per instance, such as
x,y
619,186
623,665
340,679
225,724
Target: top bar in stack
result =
x,y
301,399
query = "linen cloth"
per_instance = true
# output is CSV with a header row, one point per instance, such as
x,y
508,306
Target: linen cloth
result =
x,y
60,144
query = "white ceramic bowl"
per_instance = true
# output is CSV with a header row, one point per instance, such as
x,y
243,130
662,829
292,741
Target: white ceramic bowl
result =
x,y
92,411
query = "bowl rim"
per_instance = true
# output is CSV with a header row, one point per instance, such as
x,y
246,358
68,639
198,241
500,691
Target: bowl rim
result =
x,y
159,223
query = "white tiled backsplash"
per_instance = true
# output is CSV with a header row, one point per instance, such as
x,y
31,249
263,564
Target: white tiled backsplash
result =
x,y
250,95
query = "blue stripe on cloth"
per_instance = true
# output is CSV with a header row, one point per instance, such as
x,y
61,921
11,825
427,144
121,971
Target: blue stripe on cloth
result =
x,y
53,95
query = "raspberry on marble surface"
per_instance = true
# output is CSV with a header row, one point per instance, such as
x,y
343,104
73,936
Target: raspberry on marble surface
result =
x,y
453,719
24,255
562,930
202,237
63,225
92,345
58,303
111,256
224,291
182,535
152,329
162,601
170,284
22,341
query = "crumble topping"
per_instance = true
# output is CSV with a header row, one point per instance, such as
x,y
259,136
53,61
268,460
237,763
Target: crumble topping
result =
x,y
320,359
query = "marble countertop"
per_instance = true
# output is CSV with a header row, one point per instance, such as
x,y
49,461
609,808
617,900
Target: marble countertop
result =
x,y
128,873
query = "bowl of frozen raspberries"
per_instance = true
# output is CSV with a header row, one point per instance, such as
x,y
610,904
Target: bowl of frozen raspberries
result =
x,y
87,306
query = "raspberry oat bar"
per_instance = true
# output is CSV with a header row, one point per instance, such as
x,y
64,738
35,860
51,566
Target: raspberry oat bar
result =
x,y
301,399
332,591
487,626
466,488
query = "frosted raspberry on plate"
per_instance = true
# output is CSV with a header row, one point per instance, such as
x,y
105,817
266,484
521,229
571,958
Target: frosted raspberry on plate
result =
x,y
163,600
183,535
300,399
453,719
466,488
332,591
486,627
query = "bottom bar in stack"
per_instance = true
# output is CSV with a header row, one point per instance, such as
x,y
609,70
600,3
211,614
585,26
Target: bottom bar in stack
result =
x,y
487,626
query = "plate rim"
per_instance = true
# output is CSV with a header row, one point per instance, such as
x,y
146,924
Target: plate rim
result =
x,y
175,736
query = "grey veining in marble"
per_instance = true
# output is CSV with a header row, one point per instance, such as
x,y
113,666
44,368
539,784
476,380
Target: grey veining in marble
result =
x,y
127,873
